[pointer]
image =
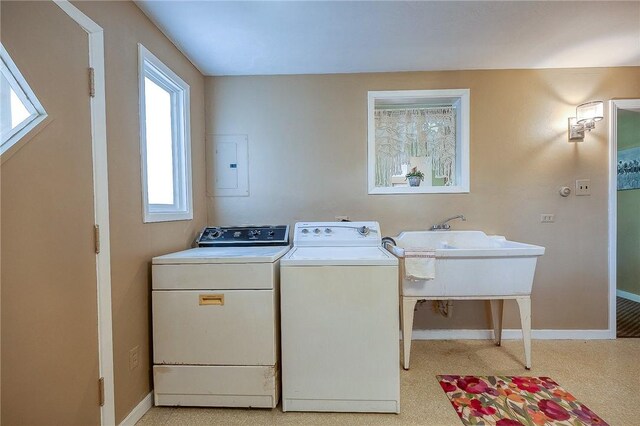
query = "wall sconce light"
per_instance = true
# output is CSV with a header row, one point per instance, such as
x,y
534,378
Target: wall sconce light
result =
x,y
585,120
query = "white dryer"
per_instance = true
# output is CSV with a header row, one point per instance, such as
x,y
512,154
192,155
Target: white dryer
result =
x,y
339,320
215,319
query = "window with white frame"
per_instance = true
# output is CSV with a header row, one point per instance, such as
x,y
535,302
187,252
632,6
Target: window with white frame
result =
x,y
418,141
20,110
164,141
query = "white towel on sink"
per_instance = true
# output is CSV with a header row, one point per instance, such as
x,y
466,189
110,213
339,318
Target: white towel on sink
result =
x,y
420,264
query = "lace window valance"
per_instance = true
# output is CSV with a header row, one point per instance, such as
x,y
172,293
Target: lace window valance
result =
x,y
402,133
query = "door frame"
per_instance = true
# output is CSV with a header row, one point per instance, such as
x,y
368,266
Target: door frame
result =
x,y
101,205
614,106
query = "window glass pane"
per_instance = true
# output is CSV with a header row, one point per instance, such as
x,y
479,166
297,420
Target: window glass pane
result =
x,y
166,158
12,110
159,144
18,110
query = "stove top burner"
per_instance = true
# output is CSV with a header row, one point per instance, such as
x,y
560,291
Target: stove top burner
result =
x,y
244,236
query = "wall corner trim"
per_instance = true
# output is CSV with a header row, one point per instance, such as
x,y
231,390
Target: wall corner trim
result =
x,y
513,334
138,411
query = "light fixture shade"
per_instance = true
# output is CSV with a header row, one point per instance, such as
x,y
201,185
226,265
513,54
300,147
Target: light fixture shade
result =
x,y
590,112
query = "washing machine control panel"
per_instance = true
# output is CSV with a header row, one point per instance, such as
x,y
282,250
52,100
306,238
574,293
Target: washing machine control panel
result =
x,y
243,236
337,234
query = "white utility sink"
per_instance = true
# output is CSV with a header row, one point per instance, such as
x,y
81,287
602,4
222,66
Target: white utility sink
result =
x,y
469,265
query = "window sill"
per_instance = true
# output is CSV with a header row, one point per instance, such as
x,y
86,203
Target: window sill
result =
x,y
152,217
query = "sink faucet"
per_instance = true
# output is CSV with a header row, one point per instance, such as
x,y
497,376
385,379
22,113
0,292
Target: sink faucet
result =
x,y
444,226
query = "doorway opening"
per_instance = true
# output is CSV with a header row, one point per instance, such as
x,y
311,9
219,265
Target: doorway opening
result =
x,y
624,220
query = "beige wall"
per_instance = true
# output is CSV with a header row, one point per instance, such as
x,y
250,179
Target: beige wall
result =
x,y
308,147
628,209
132,242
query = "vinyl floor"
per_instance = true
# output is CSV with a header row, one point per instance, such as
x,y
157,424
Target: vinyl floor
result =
x,y
602,374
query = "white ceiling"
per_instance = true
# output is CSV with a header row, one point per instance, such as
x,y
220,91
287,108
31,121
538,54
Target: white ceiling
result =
x,y
318,37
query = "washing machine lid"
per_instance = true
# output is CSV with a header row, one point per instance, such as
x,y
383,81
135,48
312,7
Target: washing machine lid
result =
x,y
339,256
223,255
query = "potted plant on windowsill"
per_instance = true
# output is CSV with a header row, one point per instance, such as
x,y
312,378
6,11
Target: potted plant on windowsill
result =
x,y
414,177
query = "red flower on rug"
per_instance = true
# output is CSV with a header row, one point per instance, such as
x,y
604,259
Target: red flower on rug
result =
x,y
472,384
447,387
553,410
528,384
547,382
478,410
515,401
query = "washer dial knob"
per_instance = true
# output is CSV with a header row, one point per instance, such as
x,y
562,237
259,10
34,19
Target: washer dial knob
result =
x,y
363,230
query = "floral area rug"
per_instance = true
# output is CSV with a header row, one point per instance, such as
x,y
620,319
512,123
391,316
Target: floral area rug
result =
x,y
514,401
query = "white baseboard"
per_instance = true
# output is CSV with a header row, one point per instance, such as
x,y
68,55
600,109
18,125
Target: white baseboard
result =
x,y
139,411
627,295
513,334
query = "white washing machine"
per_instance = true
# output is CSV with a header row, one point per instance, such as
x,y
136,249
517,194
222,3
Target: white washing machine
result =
x,y
215,319
339,320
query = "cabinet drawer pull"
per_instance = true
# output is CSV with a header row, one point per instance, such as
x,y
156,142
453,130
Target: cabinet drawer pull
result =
x,y
212,299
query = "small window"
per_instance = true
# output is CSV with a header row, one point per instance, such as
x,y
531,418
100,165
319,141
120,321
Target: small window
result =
x,y
418,141
20,110
164,141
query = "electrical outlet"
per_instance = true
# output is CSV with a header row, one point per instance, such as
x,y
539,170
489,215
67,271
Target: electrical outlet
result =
x,y
134,357
547,218
583,187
